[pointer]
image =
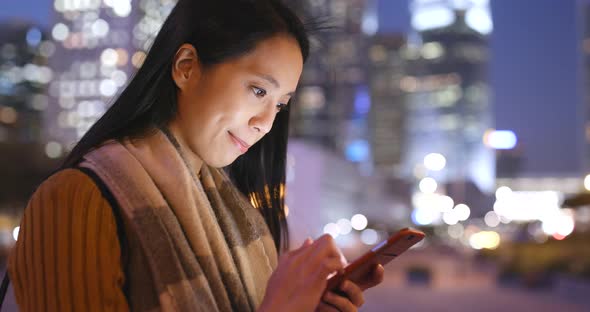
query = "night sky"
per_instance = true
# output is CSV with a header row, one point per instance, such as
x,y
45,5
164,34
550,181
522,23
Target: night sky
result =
x,y
37,11
534,73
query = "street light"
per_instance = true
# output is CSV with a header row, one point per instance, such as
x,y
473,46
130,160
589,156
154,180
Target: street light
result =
x,y
500,139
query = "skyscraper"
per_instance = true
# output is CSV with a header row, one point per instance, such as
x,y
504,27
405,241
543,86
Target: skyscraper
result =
x,y
333,99
99,45
448,93
24,76
388,111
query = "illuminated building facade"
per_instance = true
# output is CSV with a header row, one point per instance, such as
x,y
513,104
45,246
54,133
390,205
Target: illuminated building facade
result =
x,y
24,76
448,106
333,102
99,45
388,111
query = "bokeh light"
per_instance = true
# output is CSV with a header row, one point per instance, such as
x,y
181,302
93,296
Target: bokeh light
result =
x,y
332,229
359,222
369,237
428,185
485,239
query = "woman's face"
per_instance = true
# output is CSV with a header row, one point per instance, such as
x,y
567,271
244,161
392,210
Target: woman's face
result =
x,y
226,108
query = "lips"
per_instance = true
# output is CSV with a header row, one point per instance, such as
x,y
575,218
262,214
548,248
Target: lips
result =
x,y
243,146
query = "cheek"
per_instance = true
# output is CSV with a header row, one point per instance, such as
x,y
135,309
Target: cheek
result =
x,y
191,110
235,112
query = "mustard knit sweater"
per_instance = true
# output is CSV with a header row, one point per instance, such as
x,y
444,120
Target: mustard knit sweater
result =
x,y
68,255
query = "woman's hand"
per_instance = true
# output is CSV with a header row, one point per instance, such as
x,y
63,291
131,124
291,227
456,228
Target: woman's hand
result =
x,y
350,299
301,276
351,296
373,278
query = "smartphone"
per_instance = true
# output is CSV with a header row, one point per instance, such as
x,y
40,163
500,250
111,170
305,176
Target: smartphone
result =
x,y
382,253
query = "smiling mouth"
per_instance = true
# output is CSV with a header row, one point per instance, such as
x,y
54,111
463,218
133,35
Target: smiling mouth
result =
x,y
242,146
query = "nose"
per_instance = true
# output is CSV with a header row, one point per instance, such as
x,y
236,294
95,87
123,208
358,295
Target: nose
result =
x,y
263,120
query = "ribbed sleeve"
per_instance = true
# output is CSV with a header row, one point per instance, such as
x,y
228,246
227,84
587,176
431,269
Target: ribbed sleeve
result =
x,y
67,256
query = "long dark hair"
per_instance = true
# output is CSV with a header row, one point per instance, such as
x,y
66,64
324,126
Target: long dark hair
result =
x,y
219,30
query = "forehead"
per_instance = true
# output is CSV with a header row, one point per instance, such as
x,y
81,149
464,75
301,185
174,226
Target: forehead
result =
x,y
279,57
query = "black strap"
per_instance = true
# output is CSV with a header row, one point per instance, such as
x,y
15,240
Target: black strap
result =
x,y
4,287
106,193
123,243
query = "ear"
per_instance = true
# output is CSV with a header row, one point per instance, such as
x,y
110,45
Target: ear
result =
x,y
185,65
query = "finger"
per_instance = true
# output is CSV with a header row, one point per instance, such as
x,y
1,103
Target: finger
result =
x,y
374,278
306,243
324,307
327,246
312,257
327,267
317,281
379,274
295,252
324,247
343,304
353,292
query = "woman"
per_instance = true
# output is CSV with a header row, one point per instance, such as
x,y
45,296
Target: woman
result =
x,y
141,217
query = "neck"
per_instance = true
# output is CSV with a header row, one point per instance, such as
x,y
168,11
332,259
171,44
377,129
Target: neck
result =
x,y
193,160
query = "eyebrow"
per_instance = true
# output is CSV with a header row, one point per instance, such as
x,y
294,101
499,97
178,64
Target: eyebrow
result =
x,y
274,82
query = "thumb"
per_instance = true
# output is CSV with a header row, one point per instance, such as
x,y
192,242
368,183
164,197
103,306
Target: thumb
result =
x,y
294,252
308,241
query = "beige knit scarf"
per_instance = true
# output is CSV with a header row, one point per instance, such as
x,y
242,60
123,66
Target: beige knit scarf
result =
x,y
194,243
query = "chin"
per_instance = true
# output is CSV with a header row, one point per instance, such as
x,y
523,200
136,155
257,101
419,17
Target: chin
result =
x,y
221,162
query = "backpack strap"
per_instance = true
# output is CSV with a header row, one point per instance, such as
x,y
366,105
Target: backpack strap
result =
x,y
4,287
123,243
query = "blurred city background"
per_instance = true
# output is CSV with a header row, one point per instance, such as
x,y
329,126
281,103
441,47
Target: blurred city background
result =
x,y
467,119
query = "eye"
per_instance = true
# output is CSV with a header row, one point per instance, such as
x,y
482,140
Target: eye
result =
x,y
281,106
258,91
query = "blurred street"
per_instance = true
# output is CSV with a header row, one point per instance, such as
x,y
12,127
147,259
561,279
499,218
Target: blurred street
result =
x,y
458,299
461,287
